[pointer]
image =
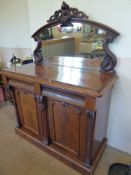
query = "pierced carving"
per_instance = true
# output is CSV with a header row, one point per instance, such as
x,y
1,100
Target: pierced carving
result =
x,y
65,16
109,62
38,53
66,13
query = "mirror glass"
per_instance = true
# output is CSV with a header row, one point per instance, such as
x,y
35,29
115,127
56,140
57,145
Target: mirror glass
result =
x,y
78,39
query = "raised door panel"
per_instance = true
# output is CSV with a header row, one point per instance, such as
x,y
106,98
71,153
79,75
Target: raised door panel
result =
x,y
64,122
28,111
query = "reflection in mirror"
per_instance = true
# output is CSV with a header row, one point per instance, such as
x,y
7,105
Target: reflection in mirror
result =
x,y
79,39
69,32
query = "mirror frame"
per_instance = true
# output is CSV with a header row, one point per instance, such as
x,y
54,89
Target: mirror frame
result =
x,y
65,16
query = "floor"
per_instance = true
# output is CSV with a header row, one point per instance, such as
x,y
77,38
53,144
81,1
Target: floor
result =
x,y
19,157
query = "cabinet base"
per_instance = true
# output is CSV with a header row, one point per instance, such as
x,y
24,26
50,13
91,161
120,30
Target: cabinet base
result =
x,y
70,162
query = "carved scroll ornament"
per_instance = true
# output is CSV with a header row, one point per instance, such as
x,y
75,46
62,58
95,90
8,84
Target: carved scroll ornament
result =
x,y
65,16
66,13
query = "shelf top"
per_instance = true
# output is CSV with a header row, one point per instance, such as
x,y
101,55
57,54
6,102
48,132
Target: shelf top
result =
x,y
76,74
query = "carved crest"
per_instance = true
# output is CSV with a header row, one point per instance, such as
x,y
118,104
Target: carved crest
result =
x,y
66,13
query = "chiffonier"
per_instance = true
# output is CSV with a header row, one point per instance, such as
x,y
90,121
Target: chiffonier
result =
x,y
62,99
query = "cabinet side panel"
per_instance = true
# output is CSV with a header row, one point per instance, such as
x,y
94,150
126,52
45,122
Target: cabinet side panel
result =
x,y
102,112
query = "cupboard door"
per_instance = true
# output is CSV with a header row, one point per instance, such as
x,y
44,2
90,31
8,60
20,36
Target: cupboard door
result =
x,y
64,123
27,110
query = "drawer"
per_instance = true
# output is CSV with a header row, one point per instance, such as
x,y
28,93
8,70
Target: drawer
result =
x,y
64,97
22,85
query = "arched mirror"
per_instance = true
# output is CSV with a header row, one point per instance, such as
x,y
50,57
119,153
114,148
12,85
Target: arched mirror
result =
x,y
70,33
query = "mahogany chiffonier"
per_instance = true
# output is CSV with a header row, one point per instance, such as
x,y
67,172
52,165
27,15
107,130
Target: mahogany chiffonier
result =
x,y
62,101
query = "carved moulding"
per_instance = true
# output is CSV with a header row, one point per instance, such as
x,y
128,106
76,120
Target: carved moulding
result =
x,y
65,16
66,13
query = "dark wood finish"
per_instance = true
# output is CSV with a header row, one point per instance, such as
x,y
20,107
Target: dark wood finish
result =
x,y
2,89
42,109
63,108
30,109
27,111
62,117
81,80
65,16
66,13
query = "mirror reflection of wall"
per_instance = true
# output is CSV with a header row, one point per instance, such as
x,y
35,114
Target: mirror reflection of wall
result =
x,y
75,40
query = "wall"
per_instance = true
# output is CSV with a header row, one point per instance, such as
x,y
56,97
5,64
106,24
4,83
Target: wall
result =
x,y
14,30
15,24
116,14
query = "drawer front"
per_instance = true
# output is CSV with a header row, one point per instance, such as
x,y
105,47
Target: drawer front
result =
x,y
22,85
75,100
